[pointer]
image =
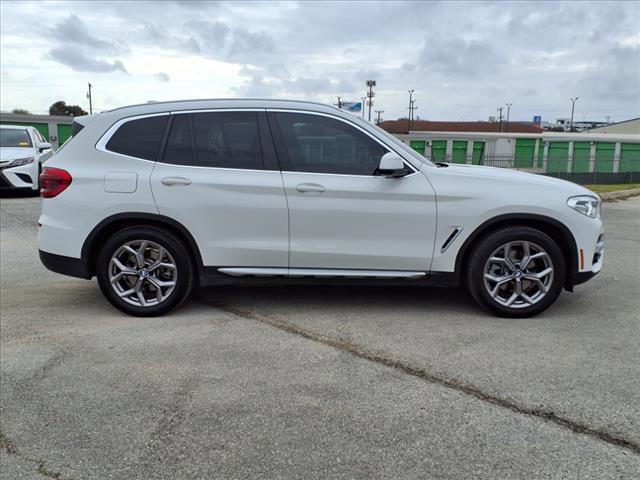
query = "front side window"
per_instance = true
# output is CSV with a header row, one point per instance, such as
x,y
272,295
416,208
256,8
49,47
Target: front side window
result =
x,y
320,144
12,137
139,138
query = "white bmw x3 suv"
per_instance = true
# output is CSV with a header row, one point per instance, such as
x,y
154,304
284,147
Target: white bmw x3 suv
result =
x,y
157,199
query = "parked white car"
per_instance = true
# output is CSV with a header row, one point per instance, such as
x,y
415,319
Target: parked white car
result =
x,y
23,150
157,199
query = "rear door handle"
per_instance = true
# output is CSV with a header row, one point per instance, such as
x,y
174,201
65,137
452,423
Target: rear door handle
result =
x,y
175,181
310,188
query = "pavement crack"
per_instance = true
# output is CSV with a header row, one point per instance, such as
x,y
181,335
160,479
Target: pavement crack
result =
x,y
7,445
385,359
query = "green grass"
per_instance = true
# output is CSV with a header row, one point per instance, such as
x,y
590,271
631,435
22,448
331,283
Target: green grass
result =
x,y
611,188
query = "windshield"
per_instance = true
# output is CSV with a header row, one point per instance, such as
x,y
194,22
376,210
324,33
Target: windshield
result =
x,y
396,141
11,137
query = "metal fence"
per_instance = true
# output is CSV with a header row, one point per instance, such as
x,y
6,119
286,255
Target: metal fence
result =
x,y
582,171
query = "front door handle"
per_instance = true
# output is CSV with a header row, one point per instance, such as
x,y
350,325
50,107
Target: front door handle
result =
x,y
175,181
310,188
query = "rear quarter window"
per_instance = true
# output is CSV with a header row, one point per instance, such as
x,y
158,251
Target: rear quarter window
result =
x,y
139,138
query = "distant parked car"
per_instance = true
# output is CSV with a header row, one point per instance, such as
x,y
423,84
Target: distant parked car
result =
x,y
156,199
23,150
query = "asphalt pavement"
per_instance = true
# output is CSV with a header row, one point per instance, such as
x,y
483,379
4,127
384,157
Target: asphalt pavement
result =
x,y
317,382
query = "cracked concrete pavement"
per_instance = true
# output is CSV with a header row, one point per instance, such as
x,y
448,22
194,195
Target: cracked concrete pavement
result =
x,y
316,382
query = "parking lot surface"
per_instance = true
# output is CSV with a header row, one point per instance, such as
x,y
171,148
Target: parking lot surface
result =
x,y
317,382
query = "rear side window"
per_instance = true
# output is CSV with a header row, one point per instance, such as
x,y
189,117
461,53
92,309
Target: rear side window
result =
x,y
139,138
215,139
227,140
179,150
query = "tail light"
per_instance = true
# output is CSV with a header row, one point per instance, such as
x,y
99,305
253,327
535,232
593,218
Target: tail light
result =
x,y
53,181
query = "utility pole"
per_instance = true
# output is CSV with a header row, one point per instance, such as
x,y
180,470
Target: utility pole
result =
x,y
370,94
363,104
339,103
573,106
508,112
379,112
90,99
410,108
500,112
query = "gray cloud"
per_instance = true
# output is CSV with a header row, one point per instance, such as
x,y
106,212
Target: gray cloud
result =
x,y
162,77
455,56
72,30
82,63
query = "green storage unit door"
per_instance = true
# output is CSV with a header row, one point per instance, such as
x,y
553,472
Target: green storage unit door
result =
x,y
459,151
525,147
558,157
478,153
43,128
64,133
418,145
604,156
630,157
540,153
581,157
439,151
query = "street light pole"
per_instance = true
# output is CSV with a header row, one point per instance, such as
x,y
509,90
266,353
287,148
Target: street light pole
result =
x,y
508,111
370,94
90,99
410,108
573,106
364,102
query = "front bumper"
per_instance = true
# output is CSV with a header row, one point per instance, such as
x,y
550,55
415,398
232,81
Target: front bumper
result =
x,y
22,177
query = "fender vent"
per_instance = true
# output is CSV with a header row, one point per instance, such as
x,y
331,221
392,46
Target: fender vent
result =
x,y
450,239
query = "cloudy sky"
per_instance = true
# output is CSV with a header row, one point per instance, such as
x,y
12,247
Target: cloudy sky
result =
x,y
462,59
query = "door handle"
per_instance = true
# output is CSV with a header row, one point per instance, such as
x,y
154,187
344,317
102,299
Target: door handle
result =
x,y
175,181
310,188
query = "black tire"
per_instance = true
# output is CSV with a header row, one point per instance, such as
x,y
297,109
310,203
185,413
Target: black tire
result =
x,y
488,245
184,270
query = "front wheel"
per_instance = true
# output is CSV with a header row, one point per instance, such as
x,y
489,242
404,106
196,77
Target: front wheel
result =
x,y
144,271
516,272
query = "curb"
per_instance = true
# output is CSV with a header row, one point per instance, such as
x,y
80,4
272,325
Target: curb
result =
x,y
619,194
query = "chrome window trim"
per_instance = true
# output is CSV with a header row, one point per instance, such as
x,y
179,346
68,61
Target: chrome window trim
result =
x,y
101,144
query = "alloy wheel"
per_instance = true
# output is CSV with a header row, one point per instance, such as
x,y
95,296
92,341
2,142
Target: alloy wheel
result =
x,y
142,273
518,274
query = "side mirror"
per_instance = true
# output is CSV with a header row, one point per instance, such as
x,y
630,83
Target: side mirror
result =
x,y
391,166
44,146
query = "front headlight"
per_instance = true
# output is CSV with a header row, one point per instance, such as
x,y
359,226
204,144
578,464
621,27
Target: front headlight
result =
x,y
585,204
18,162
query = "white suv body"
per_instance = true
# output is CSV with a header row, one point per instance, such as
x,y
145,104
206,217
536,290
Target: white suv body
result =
x,y
164,196
23,150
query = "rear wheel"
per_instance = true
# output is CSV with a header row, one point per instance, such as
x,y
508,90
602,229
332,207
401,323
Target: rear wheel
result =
x,y
516,272
144,271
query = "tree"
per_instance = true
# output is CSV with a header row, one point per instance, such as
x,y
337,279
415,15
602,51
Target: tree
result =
x,y
61,108
21,111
